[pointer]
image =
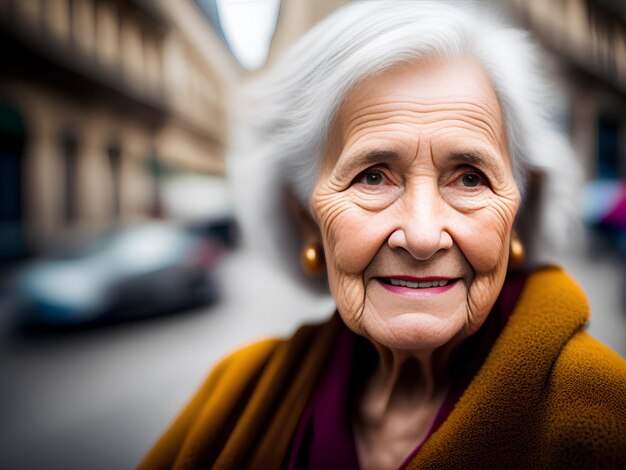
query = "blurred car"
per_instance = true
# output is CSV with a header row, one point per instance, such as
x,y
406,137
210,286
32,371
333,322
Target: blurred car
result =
x,y
133,272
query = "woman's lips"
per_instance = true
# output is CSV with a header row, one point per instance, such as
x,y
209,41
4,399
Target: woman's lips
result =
x,y
414,285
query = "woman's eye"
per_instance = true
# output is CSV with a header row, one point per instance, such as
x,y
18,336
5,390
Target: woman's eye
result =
x,y
372,178
471,180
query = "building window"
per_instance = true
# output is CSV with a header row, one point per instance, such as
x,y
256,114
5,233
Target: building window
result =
x,y
69,149
114,152
12,140
608,148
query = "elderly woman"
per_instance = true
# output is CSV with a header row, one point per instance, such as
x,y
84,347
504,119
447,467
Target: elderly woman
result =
x,y
401,139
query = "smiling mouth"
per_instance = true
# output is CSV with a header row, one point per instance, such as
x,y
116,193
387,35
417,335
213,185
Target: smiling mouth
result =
x,y
417,284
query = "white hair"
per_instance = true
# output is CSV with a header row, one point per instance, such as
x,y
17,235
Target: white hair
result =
x,y
279,139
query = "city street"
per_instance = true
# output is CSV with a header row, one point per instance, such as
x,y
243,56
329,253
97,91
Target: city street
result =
x,y
98,399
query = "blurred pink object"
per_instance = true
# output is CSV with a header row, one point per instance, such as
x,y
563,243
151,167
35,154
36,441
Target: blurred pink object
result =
x,y
616,216
604,204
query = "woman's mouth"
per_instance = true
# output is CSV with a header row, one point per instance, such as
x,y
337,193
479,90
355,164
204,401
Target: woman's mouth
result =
x,y
405,284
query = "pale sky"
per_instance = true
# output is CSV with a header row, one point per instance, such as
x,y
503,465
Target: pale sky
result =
x,y
248,26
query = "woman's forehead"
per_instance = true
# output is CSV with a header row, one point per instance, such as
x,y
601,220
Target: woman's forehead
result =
x,y
428,97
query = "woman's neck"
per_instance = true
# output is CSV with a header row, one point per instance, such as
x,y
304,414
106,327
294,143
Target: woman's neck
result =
x,y
398,403
410,376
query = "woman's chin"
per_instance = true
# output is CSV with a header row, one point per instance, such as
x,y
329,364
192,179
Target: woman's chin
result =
x,y
417,319
415,331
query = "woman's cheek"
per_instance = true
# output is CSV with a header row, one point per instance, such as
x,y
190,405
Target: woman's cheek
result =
x,y
352,239
347,256
486,246
483,226
484,242
349,294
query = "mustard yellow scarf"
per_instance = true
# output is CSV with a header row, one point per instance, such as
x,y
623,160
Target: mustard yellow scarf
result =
x,y
547,396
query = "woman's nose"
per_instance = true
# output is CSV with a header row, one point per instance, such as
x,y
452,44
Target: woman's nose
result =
x,y
422,228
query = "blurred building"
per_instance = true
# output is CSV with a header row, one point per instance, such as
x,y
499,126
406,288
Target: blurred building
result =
x,y
296,18
99,99
102,99
587,40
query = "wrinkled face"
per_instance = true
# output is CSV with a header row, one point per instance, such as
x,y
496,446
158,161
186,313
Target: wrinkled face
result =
x,y
415,202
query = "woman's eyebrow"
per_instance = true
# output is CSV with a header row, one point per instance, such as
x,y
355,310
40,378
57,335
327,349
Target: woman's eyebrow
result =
x,y
370,158
474,158
366,159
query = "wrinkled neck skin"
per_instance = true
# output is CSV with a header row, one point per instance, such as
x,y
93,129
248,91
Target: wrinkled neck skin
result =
x,y
402,380
399,402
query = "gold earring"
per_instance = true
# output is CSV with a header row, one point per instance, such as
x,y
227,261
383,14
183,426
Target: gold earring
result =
x,y
312,259
517,253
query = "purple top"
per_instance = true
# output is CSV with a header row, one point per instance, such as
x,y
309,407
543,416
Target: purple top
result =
x,y
324,438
